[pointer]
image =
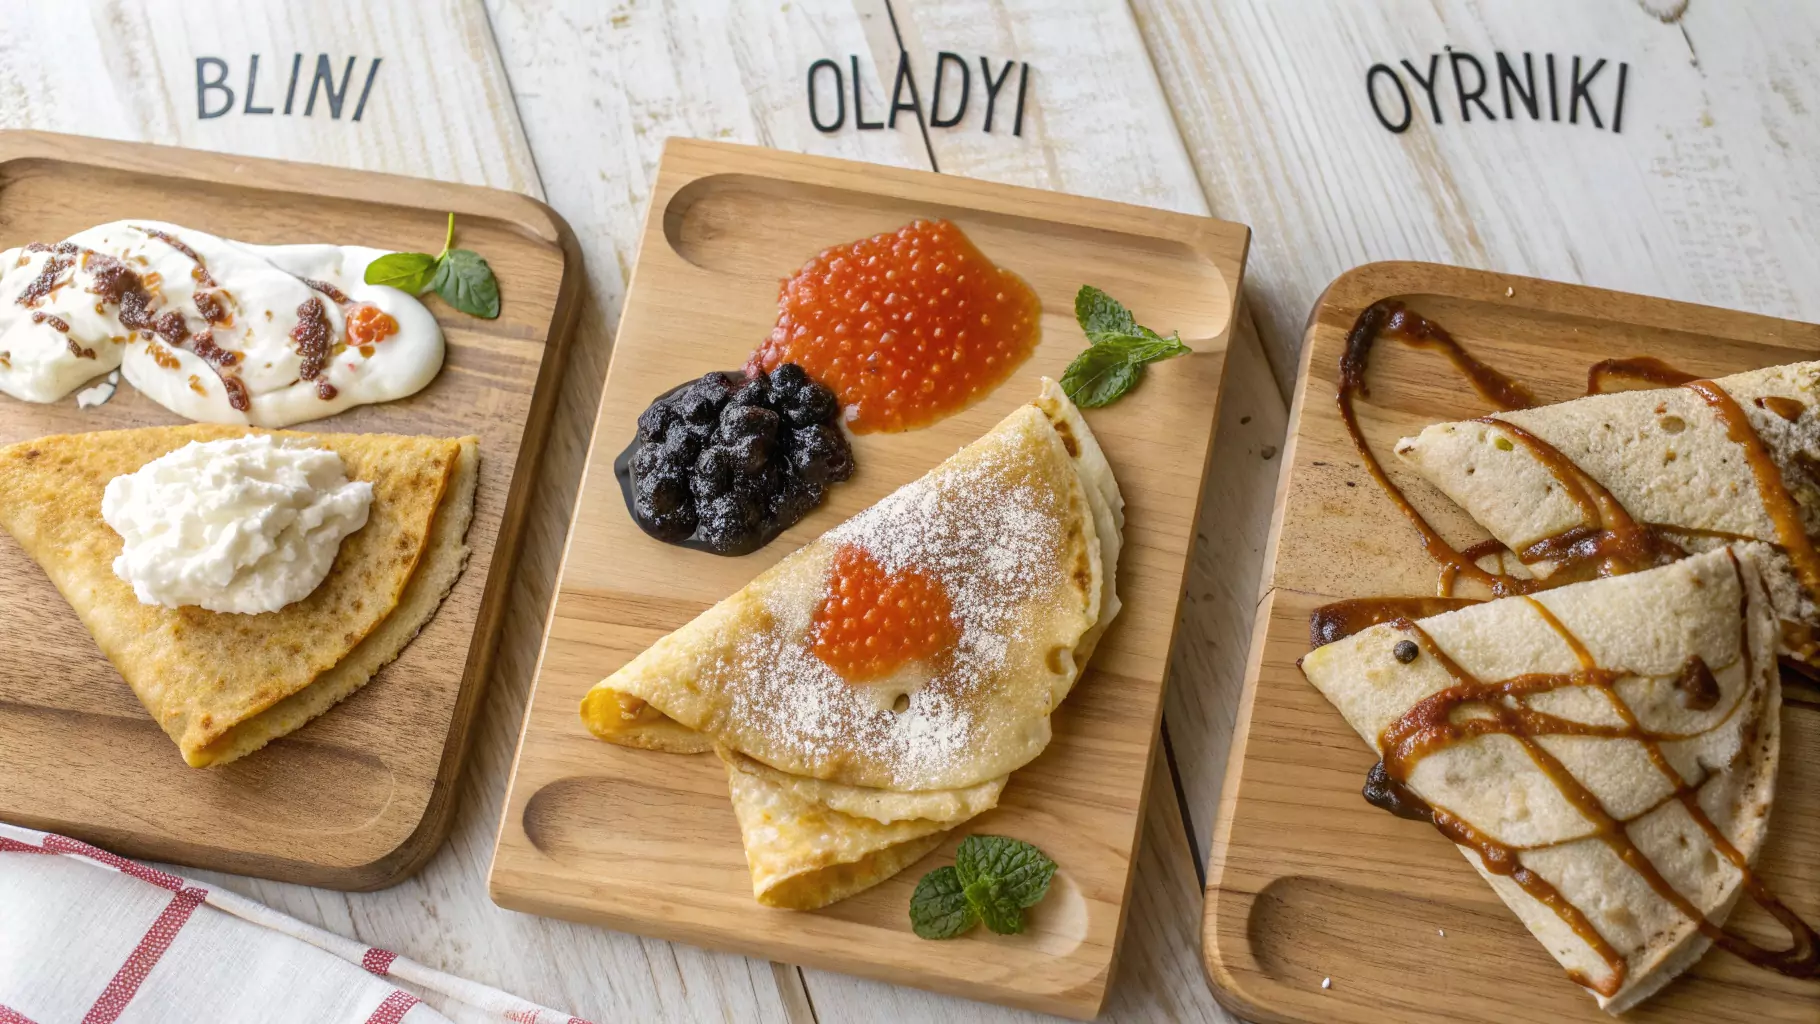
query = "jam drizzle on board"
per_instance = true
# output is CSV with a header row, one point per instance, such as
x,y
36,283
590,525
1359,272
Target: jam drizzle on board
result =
x,y
1617,545
1431,726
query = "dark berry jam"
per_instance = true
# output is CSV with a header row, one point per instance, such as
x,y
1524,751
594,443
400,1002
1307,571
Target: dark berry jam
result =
x,y
728,462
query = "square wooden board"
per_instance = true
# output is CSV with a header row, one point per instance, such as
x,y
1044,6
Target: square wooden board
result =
x,y
647,842
1306,880
359,798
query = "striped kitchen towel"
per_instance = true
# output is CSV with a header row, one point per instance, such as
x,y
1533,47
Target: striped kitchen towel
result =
x,y
88,937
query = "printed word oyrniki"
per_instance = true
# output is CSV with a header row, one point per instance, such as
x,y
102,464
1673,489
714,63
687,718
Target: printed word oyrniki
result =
x,y
1563,89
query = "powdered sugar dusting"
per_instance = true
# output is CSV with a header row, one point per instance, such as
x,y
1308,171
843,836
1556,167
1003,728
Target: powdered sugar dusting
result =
x,y
989,529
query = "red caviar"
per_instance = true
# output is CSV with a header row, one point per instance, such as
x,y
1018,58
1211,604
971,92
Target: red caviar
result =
x,y
872,622
369,325
904,328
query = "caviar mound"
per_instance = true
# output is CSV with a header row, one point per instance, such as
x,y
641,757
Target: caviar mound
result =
x,y
727,462
905,327
872,622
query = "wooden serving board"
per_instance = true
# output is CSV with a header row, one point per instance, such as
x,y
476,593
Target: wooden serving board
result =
x,y
1309,882
361,797
647,842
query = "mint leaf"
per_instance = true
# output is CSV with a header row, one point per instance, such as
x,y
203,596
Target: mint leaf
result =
x,y
1101,315
1021,871
1121,348
939,908
409,272
1098,376
467,283
993,880
989,901
1148,346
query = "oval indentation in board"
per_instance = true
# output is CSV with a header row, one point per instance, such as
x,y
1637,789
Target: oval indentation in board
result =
x,y
1304,930
297,784
752,231
577,819
290,784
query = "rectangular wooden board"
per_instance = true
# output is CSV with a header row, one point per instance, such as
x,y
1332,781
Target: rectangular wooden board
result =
x,y
359,798
647,842
1307,882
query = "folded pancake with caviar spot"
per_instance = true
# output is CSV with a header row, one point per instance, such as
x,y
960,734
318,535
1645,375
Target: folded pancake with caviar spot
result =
x,y
1695,467
1604,753
810,842
920,645
223,685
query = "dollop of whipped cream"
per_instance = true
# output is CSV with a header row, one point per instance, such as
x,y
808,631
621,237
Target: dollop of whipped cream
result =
x,y
244,525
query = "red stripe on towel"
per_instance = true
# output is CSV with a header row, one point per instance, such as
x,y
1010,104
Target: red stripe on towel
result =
x,y
378,961
145,956
64,844
394,1008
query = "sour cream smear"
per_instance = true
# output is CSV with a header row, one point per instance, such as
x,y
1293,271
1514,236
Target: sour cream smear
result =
x,y
212,329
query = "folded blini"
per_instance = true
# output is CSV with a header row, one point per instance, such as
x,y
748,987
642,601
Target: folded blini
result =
x,y
1603,753
223,685
846,764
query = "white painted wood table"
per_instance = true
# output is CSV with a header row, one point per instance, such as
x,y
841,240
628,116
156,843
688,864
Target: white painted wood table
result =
x,y
1252,110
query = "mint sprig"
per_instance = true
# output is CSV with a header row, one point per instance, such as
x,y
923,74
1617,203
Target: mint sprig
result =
x,y
1121,348
460,276
993,879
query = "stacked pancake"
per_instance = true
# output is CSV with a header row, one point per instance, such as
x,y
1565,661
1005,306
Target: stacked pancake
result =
x,y
1604,754
224,685
1681,469
846,765
1601,739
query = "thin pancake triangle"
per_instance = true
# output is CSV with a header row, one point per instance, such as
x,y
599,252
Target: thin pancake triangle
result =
x,y
840,783
1577,745
1021,528
1698,467
223,685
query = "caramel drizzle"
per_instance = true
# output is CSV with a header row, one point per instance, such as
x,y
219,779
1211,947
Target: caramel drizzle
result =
x,y
1610,538
1616,544
1392,319
1341,619
1428,727
1783,512
1643,368
1607,543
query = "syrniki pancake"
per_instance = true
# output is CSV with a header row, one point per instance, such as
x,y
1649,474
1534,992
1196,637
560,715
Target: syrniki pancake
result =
x,y
225,685
1572,742
1676,462
842,777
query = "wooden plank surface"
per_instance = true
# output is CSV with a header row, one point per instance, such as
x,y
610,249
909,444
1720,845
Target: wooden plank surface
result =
x,y
1308,882
360,797
600,85
735,75
451,117
596,108
644,841
1706,194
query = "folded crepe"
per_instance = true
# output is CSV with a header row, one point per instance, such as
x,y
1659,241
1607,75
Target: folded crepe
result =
x,y
841,780
1578,744
222,686
810,842
1692,468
